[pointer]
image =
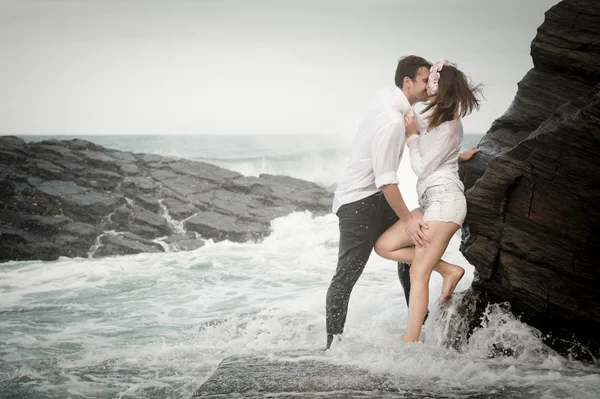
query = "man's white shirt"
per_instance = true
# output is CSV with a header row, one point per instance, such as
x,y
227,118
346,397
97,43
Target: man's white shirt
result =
x,y
377,149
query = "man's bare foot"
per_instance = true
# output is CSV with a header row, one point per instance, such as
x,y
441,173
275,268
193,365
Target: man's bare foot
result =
x,y
451,279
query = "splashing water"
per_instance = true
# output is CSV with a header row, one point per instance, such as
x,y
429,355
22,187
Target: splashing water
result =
x,y
157,325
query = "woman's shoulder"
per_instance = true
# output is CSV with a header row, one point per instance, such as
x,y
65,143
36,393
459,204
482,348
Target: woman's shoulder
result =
x,y
454,126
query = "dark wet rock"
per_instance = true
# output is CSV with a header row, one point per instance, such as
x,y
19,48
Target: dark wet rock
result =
x,y
142,183
125,244
138,220
310,374
162,174
177,209
184,242
220,226
533,193
61,188
166,192
43,224
79,229
76,198
187,185
208,172
129,169
98,158
262,376
149,202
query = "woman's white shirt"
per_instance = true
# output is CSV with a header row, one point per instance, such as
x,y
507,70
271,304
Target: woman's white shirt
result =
x,y
434,155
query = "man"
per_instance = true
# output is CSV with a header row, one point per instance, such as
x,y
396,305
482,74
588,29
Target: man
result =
x,y
368,201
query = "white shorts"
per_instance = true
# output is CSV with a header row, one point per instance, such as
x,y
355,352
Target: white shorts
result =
x,y
444,203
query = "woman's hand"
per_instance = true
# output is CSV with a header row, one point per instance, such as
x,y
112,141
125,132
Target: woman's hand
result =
x,y
468,154
412,124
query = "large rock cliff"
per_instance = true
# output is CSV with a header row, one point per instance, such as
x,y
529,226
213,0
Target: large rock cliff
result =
x,y
533,190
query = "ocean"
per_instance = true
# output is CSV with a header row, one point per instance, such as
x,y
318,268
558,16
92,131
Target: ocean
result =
x,y
157,325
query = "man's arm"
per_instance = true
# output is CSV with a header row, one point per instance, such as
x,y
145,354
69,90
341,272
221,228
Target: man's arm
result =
x,y
394,198
386,149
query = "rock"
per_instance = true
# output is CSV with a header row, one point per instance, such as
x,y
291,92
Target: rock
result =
x,y
138,220
74,198
43,224
142,183
178,209
79,229
146,201
61,189
184,242
307,374
304,378
125,244
225,227
129,169
532,190
208,172
188,185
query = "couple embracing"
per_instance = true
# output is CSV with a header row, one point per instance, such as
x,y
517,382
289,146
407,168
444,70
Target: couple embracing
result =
x,y
371,211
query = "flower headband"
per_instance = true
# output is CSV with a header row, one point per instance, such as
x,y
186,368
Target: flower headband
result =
x,y
434,75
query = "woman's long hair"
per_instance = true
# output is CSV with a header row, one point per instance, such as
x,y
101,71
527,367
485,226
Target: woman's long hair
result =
x,y
455,94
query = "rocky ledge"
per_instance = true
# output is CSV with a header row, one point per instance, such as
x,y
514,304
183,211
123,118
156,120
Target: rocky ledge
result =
x,y
299,374
311,375
77,199
533,190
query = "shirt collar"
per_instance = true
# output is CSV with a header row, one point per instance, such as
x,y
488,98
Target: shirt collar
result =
x,y
399,101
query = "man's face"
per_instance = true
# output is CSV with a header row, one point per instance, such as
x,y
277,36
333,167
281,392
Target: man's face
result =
x,y
418,88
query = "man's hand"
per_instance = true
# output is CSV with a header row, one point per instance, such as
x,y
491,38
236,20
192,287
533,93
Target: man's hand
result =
x,y
415,228
413,224
468,154
411,123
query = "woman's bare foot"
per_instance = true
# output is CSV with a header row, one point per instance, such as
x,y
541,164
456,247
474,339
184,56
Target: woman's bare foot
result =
x,y
451,279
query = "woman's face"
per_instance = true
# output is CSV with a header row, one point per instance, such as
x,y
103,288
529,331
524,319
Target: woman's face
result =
x,y
429,96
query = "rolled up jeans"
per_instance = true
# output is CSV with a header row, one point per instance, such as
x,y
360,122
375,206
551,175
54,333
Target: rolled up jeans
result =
x,y
360,223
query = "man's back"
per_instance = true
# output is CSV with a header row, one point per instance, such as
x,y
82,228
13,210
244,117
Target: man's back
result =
x,y
377,148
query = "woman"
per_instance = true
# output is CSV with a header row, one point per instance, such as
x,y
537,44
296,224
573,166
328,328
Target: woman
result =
x,y
434,156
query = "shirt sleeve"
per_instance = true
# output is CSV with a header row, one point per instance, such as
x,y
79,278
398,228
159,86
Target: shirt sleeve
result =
x,y
438,151
422,123
386,150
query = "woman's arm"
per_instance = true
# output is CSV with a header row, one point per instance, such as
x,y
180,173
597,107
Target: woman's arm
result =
x,y
468,154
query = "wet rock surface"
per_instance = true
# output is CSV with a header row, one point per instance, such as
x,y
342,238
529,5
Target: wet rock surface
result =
x,y
533,190
292,373
309,374
76,199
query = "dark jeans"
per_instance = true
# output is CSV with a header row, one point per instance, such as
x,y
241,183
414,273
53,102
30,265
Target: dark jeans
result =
x,y
361,223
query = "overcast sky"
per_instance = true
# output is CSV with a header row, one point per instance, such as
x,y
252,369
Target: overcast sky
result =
x,y
242,66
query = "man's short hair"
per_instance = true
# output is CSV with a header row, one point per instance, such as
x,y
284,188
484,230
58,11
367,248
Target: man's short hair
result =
x,y
408,66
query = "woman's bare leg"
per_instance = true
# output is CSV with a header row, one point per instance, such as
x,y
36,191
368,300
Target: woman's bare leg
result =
x,y
425,259
394,244
451,275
